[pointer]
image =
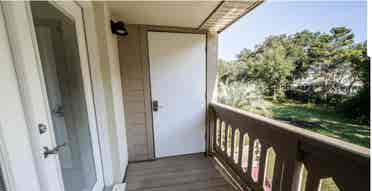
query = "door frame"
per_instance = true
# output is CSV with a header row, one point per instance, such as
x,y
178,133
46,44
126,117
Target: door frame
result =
x,y
16,155
150,28
22,38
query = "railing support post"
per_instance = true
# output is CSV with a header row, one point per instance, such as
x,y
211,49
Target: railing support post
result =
x,y
210,131
291,168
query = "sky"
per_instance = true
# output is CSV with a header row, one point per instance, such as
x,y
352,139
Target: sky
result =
x,y
289,17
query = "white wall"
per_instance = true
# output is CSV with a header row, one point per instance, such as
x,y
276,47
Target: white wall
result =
x,y
107,93
117,99
114,98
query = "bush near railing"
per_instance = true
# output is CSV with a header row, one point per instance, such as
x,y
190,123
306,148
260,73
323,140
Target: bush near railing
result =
x,y
264,154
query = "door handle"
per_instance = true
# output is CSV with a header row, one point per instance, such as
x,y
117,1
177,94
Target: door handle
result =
x,y
155,105
58,111
53,151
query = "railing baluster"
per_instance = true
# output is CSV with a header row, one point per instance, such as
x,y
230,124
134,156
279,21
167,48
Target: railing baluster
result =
x,y
263,154
312,182
229,141
224,143
291,165
278,172
241,142
211,136
250,158
232,154
289,172
218,132
222,135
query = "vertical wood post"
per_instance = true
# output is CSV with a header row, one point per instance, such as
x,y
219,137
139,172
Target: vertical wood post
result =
x,y
211,81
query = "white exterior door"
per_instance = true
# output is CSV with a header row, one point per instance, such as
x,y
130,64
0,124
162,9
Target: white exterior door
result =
x,y
178,81
50,54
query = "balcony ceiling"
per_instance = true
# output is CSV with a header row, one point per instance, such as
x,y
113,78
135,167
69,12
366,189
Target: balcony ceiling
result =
x,y
199,15
189,14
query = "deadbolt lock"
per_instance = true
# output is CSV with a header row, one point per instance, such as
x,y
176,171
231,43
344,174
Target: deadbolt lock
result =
x,y
42,128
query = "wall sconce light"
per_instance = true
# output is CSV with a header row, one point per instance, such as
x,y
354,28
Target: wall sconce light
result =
x,y
119,28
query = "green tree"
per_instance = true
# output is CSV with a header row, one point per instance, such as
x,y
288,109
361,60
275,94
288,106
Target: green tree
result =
x,y
298,50
245,55
271,65
329,58
231,71
358,106
322,67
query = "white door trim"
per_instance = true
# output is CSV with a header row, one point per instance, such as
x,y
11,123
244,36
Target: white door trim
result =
x,y
98,90
23,40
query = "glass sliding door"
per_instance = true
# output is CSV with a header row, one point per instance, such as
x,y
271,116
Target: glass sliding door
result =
x,y
60,60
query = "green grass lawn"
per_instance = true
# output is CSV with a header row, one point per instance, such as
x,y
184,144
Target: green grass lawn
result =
x,y
319,119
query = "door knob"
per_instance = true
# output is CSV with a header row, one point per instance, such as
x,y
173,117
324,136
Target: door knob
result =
x,y
53,151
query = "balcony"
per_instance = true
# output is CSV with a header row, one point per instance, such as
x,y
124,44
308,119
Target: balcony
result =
x,y
124,119
250,152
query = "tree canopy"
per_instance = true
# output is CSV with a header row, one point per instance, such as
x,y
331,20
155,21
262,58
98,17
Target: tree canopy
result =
x,y
324,68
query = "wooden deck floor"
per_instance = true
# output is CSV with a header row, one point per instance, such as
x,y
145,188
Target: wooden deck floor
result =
x,y
182,173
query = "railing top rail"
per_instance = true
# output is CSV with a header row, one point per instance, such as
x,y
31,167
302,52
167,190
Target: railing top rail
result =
x,y
328,141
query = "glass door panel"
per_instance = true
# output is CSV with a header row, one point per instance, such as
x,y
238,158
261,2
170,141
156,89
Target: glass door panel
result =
x,y
59,54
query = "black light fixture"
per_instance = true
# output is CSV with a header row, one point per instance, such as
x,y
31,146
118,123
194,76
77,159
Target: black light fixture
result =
x,y
119,28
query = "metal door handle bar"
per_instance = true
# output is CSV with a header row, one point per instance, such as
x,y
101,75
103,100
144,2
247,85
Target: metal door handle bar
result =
x,y
53,151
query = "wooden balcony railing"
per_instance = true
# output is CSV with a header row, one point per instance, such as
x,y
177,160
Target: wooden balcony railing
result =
x,y
264,154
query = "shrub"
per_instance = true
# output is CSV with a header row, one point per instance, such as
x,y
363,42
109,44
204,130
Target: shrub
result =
x,y
358,107
308,96
242,95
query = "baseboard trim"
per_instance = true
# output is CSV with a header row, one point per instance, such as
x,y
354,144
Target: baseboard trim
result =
x,y
180,155
120,187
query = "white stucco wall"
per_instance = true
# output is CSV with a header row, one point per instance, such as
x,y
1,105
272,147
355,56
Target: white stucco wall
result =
x,y
109,94
117,98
